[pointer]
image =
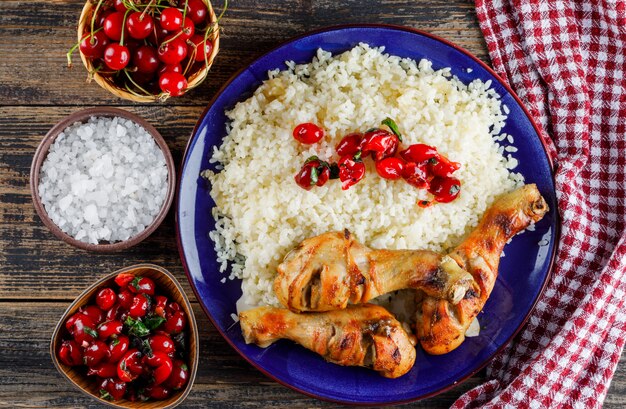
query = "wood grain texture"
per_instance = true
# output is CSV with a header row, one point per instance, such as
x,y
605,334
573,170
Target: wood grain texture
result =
x,y
40,275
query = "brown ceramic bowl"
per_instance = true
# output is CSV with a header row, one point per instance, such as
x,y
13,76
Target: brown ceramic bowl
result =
x,y
165,284
42,152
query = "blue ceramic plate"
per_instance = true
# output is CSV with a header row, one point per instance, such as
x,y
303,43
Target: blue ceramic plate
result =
x,y
523,271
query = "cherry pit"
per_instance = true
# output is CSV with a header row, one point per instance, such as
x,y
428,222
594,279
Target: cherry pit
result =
x,y
420,165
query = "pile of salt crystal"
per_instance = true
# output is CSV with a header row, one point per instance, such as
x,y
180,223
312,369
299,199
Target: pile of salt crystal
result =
x,y
103,180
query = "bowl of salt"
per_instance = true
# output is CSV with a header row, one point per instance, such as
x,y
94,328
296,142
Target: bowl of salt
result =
x,y
102,179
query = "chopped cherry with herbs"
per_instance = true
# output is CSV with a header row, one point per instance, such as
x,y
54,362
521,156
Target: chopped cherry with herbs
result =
x,y
308,133
70,353
314,172
351,170
443,167
390,168
179,376
131,351
419,152
416,174
349,144
95,353
106,298
445,189
380,143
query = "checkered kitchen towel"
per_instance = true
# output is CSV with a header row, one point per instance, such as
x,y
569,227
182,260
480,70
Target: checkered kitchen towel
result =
x,y
566,61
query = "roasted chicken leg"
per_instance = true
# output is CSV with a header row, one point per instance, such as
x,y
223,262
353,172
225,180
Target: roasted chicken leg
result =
x,y
330,271
441,325
364,335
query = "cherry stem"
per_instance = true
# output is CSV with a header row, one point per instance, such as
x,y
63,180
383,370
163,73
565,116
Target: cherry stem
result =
x,y
192,57
145,10
130,5
173,38
93,18
185,11
124,26
134,83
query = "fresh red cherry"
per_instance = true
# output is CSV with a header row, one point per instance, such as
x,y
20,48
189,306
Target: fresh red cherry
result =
x,y
70,353
95,353
119,5
161,343
173,51
102,15
170,68
188,29
109,328
94,46
106,298
142,285
171,19
139,25
173,83
175,323
116,56
445,189
349,144
196,10
308,133
140,306
196,45
390,168
118,347
180,375
113,25
146,59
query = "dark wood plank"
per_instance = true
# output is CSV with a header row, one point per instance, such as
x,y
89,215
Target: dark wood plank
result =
x,y
225,380
35,39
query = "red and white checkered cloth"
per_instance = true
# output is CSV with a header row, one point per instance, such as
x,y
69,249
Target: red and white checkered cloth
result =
x,y
566,61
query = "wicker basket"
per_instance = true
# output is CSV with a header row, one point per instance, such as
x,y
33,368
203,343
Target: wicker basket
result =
x,y
193,79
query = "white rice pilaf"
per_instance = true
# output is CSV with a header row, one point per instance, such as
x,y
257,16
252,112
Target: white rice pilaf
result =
x,y
261,213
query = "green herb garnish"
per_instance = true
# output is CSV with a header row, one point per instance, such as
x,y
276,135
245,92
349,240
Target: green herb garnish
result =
x,y
393,126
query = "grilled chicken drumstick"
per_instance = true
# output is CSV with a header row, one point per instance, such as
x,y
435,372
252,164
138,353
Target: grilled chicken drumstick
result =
x,y
364,335
441,325
330,271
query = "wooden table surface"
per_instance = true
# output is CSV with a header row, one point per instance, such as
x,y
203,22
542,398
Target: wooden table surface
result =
x,y
40,275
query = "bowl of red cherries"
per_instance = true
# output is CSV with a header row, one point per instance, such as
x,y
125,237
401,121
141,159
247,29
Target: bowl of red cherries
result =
x,y
147,50
130,340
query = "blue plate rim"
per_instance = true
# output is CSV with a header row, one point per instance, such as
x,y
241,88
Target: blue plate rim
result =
x,y
339,27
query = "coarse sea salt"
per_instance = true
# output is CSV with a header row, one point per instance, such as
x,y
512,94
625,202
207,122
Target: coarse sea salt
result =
x,y
103,180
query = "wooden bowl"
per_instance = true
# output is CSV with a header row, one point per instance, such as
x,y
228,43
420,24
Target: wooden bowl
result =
x,y
193,80
42,152
166,284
